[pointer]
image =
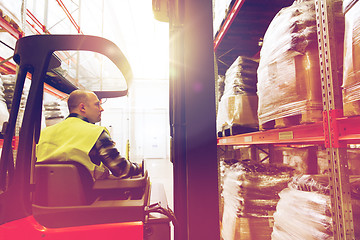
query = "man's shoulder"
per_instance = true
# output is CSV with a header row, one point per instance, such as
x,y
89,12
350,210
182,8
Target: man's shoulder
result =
x,y
72,122
79,122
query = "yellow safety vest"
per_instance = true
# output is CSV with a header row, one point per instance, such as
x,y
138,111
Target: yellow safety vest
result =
x,y
71,139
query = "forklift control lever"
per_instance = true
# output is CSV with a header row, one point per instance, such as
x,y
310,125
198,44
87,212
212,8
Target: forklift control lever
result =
x,y
156,207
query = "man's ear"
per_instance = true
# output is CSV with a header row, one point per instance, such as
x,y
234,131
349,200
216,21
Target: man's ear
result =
x,y
82,107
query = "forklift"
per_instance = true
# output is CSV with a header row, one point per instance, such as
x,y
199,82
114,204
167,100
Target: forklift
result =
x,y
61,200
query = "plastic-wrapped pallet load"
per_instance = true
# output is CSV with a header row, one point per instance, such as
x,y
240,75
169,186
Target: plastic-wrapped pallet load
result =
x,y
9,88
4,113
9,82
250,194
303,211
55,110
289,84
238,102
351,77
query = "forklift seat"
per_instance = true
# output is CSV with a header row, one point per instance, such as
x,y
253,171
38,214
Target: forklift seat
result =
x,y
66,195
62,184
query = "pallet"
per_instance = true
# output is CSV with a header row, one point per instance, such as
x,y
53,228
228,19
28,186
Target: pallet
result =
x,y
253,228
235,130
307,117
352,108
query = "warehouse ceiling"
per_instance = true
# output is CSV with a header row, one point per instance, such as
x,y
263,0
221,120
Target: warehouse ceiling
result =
x,y
247,31
129,24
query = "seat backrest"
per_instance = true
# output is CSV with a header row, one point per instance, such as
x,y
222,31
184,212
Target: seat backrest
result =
x,y
62,184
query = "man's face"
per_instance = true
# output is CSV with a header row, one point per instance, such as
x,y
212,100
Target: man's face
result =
x,y
93,108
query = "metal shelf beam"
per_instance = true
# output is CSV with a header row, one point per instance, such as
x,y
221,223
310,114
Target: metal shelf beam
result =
x,y
10,29
301,134
348,127
229,19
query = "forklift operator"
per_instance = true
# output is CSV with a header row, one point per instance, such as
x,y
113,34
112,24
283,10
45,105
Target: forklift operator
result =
x,y
77,138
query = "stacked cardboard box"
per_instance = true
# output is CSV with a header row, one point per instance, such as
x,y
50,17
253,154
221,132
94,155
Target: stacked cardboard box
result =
x,y
289,83
238,102
288,75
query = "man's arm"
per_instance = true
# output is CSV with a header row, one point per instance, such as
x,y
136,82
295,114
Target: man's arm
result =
x,y
105,151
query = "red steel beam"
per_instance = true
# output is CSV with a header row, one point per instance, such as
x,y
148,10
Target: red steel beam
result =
x,y
36,21
229,19
10,29
68,14
33,26
43,28
10,68
348,131
301,134
7,67
54,92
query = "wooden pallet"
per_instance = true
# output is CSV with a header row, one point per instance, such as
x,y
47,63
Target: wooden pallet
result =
x,y
352,108
310,116
253,228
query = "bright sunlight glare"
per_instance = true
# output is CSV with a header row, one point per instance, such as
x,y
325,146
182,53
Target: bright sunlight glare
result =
x,y
143,39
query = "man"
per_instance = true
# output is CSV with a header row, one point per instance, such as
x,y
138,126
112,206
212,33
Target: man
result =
x,y
77,138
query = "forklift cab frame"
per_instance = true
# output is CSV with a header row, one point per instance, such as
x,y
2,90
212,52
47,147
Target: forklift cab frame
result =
x,y
29,208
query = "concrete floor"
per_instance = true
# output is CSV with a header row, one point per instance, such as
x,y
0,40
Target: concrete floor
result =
x,y
161,171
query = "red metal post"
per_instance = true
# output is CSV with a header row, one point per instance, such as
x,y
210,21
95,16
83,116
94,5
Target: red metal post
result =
x,y
68,14
229,19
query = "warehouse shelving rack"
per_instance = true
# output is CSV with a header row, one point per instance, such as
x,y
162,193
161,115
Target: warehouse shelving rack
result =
x,y
7,67
334,132
10,68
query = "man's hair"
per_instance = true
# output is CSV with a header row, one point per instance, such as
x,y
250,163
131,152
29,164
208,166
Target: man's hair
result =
x,y
76,97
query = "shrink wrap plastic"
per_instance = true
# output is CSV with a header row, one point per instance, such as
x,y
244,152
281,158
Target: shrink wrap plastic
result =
x,y
351,77
238,102
220,11
54,111
4,113
288,75
304,209
250,190
9,85
9,88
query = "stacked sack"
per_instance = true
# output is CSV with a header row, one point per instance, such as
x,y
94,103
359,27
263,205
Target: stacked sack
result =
x,y
4,113
250,194
238,101
304,209
9,88
9,82
55,110
351,77
289,81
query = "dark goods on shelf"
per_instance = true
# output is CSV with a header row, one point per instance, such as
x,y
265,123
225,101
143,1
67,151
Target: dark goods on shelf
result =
x,y
250,194
303,211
